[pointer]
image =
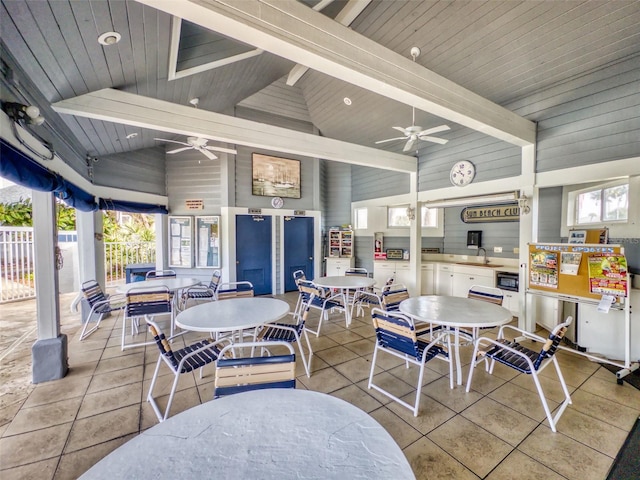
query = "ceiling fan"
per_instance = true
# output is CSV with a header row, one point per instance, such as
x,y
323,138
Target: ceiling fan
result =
x,y
199,144
414,132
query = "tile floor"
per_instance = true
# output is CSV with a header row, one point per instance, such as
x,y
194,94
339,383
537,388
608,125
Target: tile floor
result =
x,y
57,430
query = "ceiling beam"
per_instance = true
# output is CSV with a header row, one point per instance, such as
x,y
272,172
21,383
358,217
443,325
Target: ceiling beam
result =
x,y
293,31
144,112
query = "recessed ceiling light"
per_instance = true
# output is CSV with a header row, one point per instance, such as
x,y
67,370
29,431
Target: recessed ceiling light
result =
x,y
347,101
109,38
132,135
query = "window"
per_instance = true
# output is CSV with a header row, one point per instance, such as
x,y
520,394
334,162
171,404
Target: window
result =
x,y
360,218
610,204
429,217
397,217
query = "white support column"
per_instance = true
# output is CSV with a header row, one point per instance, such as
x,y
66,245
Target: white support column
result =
x,y
528,233
415,238
49,352
162,241
89,226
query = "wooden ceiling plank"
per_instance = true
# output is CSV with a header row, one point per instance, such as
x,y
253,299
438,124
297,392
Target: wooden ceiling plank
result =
x,y
298,33
130,109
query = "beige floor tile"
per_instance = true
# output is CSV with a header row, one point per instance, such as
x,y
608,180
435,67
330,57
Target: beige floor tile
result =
x,y
431,414
623,394
111,399
43,470
551,386
164,383
346,336
456,399
358,397
401,432
610,412
336,355
118,363
474,447
361,347
63,389
430,462
482,381
325,381
33,446
103,427
410,375
592,432
392,384
517,465
74,464
503,422
321,343
566,456
115,378
44,416
522,400
355,370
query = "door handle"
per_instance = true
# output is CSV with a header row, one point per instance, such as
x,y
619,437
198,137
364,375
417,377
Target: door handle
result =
x,y
237,262
310,258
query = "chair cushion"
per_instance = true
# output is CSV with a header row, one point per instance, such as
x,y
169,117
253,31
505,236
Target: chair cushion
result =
x,y
271,332
201,359
511,359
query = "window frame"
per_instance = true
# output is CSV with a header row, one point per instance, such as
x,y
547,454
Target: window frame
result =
x,y
601,188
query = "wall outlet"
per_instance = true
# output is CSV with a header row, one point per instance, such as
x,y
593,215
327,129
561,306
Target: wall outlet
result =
x,y
497,249
516,250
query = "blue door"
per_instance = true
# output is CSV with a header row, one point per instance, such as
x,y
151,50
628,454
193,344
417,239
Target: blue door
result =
x,y
298,249
253,252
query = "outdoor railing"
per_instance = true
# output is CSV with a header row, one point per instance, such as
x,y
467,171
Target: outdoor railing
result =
x,y
17,270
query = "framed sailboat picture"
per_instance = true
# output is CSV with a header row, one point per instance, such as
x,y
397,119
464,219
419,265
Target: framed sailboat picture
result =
x,y
275,176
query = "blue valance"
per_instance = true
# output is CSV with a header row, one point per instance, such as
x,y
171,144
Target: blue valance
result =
x,y
76,197
131,207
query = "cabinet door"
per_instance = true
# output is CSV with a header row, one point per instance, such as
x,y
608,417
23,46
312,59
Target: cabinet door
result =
x,y
462,282
545,311
382,271
403,276
444,280
427,280
337,266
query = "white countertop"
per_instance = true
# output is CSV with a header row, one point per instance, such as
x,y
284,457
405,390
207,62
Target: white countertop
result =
x,y
261,434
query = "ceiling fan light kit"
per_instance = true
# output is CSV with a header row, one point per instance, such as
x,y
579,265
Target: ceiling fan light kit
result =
x,y
414,132
199,144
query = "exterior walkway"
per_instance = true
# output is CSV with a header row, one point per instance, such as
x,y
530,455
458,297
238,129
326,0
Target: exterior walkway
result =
x,y
57,430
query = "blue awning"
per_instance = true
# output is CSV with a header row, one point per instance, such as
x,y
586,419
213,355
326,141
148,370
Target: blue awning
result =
x,y
131,207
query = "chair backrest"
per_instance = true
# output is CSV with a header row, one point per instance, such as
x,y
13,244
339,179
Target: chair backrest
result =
x,y
356,272
239,374
551,345
392,295
234,290
92,292
152,274
308,288
299,275
162,343
148,301
215,280
486,294
395,331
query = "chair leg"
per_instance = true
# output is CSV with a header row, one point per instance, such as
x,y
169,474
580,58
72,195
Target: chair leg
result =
x,y
150,398
84,334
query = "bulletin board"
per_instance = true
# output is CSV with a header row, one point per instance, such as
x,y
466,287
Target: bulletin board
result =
x,y
207,233
587,270
181,242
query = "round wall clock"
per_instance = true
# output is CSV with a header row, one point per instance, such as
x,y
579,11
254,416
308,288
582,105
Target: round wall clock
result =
x,y
277,202
462,173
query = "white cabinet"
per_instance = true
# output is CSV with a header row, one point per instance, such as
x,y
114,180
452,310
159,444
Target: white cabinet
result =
x,y
511,301
340,243
545,311
427,279
403,276
464,277
382,270
337,266
444,279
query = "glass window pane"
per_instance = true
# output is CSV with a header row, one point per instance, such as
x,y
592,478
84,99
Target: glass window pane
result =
x,y
429,217
361,216
589,207
616,203
398,217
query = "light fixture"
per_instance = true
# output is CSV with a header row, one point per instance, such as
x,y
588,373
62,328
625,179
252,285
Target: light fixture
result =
x,y
523,203
509,197
347,101
411,213
23,114
194,101
131,135
109,38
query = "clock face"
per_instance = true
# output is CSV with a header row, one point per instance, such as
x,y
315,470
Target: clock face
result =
x,y
462,173
277,202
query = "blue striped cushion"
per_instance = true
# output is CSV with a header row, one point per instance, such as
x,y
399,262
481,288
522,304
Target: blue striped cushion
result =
x,y
201,359
271,332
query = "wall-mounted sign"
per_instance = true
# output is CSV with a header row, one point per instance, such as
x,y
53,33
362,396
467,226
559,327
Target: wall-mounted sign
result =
x,y
195,204
254,211
299,213
491,213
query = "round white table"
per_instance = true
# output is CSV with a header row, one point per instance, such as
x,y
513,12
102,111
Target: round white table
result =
x,y
173,284
232,315
345,284
456,313
265,434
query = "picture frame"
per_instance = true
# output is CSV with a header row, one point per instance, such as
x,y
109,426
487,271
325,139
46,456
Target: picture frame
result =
x,y
181,241
207,233
275,176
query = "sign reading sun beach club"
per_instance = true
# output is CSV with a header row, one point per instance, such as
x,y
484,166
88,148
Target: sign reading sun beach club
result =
x,y
491,213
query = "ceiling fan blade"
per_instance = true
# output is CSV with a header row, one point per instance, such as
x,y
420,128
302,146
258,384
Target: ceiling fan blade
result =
x,y
410,143
207,153
391,140
441,141
171,141
177,150
222,149
429,131
401,129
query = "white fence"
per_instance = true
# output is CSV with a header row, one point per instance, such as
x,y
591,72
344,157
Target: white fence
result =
x,y
17,269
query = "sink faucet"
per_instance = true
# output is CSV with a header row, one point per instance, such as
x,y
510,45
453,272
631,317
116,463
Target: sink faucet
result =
x,y
484,257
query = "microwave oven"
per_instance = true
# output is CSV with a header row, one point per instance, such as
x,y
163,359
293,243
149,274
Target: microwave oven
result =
x,y
508,281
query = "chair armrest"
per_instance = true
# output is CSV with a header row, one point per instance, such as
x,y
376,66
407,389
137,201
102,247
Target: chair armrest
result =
x,y
502,346
523,333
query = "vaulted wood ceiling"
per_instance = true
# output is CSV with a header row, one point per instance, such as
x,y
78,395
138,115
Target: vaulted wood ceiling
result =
x,y
499,50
